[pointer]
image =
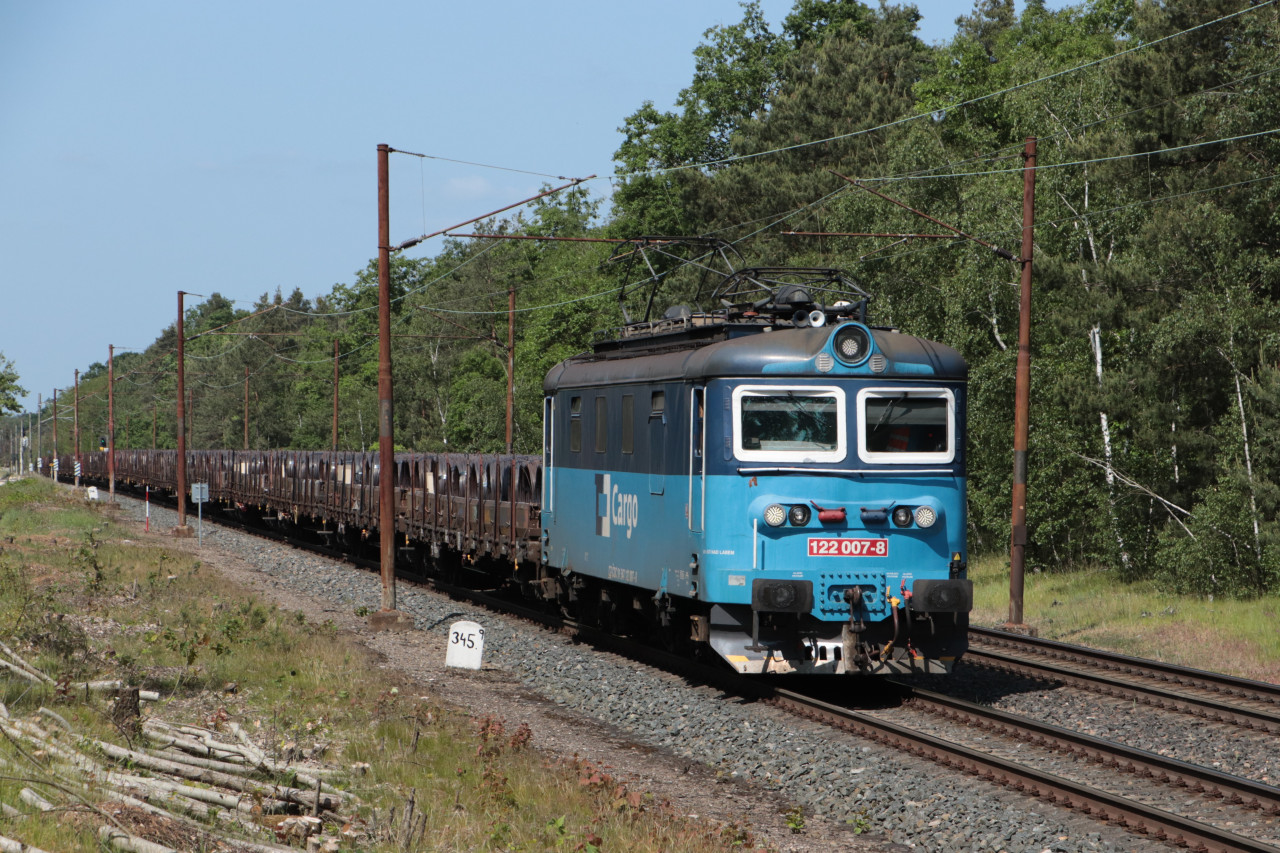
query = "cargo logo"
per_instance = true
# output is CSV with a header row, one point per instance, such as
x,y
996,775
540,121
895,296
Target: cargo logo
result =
x,y
614,507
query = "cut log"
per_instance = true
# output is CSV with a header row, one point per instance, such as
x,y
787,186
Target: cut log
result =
x,y
8,845
330,801
121,840
34,800
16,658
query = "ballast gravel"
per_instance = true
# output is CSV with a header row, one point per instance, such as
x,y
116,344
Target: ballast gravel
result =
x,y
852,787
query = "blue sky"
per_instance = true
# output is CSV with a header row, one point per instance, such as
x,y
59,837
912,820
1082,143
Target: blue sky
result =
x,y
151,147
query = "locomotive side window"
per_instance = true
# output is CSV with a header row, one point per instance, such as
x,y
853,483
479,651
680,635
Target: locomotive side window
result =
x,y
657,442
789,424
901,425
602,424
628,423
575,424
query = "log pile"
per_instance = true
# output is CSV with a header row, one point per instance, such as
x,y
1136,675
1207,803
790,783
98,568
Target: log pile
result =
x,y
216,782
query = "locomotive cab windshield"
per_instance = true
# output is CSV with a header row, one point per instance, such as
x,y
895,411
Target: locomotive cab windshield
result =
x,y
789,424
906,426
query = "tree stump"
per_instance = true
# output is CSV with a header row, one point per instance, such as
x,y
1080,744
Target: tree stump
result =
x,y
127,713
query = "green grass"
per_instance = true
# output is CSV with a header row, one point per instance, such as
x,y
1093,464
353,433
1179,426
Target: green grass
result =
x,y
1093,608
95,606
25,505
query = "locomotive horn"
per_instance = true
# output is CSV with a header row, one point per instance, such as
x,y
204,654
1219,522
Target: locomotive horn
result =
x,y
817,318
800,319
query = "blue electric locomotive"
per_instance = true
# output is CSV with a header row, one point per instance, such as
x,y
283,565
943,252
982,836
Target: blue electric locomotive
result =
x,y
776,480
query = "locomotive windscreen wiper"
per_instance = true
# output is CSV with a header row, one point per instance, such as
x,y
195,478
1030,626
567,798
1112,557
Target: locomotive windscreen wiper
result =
x,y
887,411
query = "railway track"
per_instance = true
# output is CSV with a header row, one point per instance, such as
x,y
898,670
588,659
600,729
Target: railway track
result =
x,y
1179,803
1202,821
1133,812
1210,696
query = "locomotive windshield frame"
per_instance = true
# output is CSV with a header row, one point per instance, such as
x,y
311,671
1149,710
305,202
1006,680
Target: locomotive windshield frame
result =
x,y
906,425
790,423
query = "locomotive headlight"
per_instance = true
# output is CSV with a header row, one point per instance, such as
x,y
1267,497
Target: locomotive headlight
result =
x,y
925,516
775,515
852,343
798,515
902,516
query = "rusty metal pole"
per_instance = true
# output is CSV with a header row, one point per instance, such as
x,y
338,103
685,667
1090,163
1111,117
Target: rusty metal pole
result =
x,y
334,440
1022,393
182,427
75,428
111,419
386,454
511,360
246,407
511,380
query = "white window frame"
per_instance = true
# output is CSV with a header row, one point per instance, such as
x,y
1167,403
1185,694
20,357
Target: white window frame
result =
x,y
907,458
828,391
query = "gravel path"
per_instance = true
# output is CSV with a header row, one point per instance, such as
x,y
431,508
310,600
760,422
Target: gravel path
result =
x,y
750,760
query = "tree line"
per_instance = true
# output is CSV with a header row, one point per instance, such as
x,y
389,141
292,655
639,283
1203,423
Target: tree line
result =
x,y
1155,429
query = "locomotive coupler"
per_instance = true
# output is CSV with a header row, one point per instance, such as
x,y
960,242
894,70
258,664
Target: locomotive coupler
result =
x,y
853,651
853,595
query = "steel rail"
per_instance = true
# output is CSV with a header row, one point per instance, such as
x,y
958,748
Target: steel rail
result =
x,y
1210,783
1261,691
1137,817
1113,675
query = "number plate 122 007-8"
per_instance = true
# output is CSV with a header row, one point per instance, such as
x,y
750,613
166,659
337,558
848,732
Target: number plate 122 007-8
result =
x,y
848,547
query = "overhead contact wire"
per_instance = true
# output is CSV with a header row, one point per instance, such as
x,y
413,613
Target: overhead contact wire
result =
x,y
955,106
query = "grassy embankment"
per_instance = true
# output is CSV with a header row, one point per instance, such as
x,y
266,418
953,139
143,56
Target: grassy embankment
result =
x,y
82,598
1093,609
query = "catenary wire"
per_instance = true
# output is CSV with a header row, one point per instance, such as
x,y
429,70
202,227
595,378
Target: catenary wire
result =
x,y
957,105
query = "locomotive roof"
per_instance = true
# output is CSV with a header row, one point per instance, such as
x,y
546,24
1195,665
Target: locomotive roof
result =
x,y
779,353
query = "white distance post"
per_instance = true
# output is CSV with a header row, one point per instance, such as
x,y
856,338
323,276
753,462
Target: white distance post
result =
x,y
466,645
